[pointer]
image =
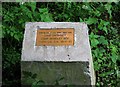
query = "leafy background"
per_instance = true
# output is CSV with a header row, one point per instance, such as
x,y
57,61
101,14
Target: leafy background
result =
x,y
103,19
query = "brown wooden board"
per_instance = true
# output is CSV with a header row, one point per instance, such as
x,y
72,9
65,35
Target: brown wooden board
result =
x,y
55,37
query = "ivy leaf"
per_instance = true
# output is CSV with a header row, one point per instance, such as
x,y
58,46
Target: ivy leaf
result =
x,y
45,16
33,6
11,33
16,37
81,20
91,21
94,42
102,40
108,7
106,74
114,57
26,11
97,13
105,29
113,48
43,10
94,39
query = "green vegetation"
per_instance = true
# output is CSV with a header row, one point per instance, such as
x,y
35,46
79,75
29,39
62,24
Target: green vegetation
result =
x,y
103,20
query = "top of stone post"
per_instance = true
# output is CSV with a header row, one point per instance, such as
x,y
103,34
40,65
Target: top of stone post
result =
x,y
79,51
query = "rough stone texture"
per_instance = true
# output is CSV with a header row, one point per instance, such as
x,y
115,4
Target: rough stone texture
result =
x,y
80,52
73,73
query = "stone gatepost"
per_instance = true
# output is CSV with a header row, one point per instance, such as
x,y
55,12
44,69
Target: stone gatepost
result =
x,y
56,53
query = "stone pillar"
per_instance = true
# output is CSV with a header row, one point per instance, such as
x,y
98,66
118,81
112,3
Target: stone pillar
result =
x,y
57,53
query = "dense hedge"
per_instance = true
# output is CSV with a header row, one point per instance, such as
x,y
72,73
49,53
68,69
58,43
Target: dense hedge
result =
x,y
103,20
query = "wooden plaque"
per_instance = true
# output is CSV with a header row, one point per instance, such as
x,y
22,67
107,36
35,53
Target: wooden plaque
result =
x,y
55,37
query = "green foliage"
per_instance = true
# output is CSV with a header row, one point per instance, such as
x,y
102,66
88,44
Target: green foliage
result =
x,y
91,21
10,58
57,82
103,22
10,66
31,78
44,15
38,83
94,40
15,18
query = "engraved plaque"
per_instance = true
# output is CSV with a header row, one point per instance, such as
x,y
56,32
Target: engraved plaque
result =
x,y
55,37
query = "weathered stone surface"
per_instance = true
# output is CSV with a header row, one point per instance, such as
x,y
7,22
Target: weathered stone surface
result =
x,y
65,56
79,52
70,73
